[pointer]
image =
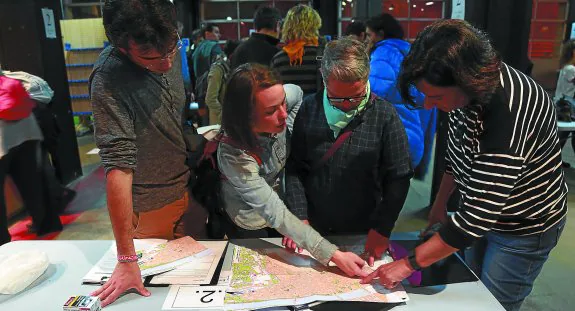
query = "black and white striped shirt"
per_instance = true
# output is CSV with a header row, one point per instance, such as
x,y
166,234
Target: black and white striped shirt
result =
x,y
303,75
506,161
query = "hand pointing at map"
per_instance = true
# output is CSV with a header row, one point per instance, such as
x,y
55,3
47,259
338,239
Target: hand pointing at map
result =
x,y
349,263
391,274
375,246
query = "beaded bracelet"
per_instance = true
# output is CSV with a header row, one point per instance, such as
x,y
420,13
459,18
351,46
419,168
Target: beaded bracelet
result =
x,y
128,258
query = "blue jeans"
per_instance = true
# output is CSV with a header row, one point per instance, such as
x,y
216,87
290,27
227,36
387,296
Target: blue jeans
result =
x,y
508,265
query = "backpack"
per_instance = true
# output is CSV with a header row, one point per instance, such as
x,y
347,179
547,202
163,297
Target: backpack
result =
x,y
201,88
15,103
206,183
564,110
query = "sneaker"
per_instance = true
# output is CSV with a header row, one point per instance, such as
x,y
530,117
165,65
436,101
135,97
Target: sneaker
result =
x,y
82,130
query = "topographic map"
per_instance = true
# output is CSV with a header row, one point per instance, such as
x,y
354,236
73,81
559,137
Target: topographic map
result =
x,y
169,252
274,277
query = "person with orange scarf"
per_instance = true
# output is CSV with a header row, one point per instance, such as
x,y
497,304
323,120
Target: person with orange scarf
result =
x,y
296,62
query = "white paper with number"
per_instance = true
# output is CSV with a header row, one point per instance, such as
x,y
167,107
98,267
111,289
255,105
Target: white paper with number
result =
x,y
49,23
182,297
458,9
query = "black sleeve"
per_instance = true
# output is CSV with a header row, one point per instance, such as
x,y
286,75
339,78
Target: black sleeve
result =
x,y
296,167
395,172
394,194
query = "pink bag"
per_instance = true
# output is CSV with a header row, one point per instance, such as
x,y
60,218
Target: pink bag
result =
x,y
15,103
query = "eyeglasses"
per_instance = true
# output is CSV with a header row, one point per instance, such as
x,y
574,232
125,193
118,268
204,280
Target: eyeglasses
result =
x,y
351,100
178,47
167,56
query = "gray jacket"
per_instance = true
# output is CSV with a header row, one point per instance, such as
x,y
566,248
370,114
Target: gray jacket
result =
x,y
248,192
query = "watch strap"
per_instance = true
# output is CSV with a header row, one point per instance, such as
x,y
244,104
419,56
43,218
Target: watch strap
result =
x,y
412,261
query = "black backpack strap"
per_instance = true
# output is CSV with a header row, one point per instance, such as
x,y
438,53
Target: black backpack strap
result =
x,y
344,135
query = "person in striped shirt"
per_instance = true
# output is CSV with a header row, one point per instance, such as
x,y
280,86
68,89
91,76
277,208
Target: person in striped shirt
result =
x,y
503,157
297,61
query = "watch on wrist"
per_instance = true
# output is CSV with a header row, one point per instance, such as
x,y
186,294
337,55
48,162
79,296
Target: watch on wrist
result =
x,y
412,262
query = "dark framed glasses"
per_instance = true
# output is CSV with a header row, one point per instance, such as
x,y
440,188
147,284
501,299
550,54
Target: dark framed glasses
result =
x,y
352,100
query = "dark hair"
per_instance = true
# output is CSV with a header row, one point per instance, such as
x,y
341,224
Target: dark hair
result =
x,y
239,101
151,24
452,53
387,25
196,34
355,28
266,18
567,53
209,27
230,47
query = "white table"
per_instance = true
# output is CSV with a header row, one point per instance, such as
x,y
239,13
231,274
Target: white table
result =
x,y
71,260
566,126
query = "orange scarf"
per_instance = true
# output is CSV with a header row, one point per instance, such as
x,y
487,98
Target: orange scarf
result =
x,y
295,50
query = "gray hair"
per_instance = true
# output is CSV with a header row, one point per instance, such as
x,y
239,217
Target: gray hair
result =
x,y
345,60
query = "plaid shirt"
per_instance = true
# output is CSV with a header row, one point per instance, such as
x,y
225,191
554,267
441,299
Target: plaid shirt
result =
x,y
346,194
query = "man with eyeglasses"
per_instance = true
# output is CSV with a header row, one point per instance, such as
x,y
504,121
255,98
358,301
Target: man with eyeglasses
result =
x,y
138,98
349,167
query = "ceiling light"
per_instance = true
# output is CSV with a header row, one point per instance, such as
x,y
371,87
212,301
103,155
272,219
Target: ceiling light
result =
x,y
429,3
229,18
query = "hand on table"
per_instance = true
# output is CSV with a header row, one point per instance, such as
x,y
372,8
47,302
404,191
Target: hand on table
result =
x,y
375,246
290,244
126,276
391,274
349,263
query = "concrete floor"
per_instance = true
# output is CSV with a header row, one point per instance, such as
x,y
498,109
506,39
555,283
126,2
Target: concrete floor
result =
x,y
552,290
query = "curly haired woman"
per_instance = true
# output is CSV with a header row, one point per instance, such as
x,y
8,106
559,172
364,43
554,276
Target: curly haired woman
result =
x,y
297,61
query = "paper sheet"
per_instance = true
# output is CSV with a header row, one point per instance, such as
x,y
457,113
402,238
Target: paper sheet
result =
x,y
94,151
182,297
199,272
156,256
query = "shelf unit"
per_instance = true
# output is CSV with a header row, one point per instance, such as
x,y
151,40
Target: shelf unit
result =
x,y
79,65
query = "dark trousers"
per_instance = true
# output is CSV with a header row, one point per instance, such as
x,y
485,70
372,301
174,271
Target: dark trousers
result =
x,y
24,164
51,132
508,265
53,189
563,136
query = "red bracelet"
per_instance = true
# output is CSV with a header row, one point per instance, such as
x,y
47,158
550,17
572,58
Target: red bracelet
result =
x,y
128,258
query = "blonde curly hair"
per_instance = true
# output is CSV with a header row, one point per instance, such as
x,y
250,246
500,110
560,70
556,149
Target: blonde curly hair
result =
x,y
301,22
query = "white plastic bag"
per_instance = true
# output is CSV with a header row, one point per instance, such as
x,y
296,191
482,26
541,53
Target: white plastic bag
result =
x,y
18,271
37,88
